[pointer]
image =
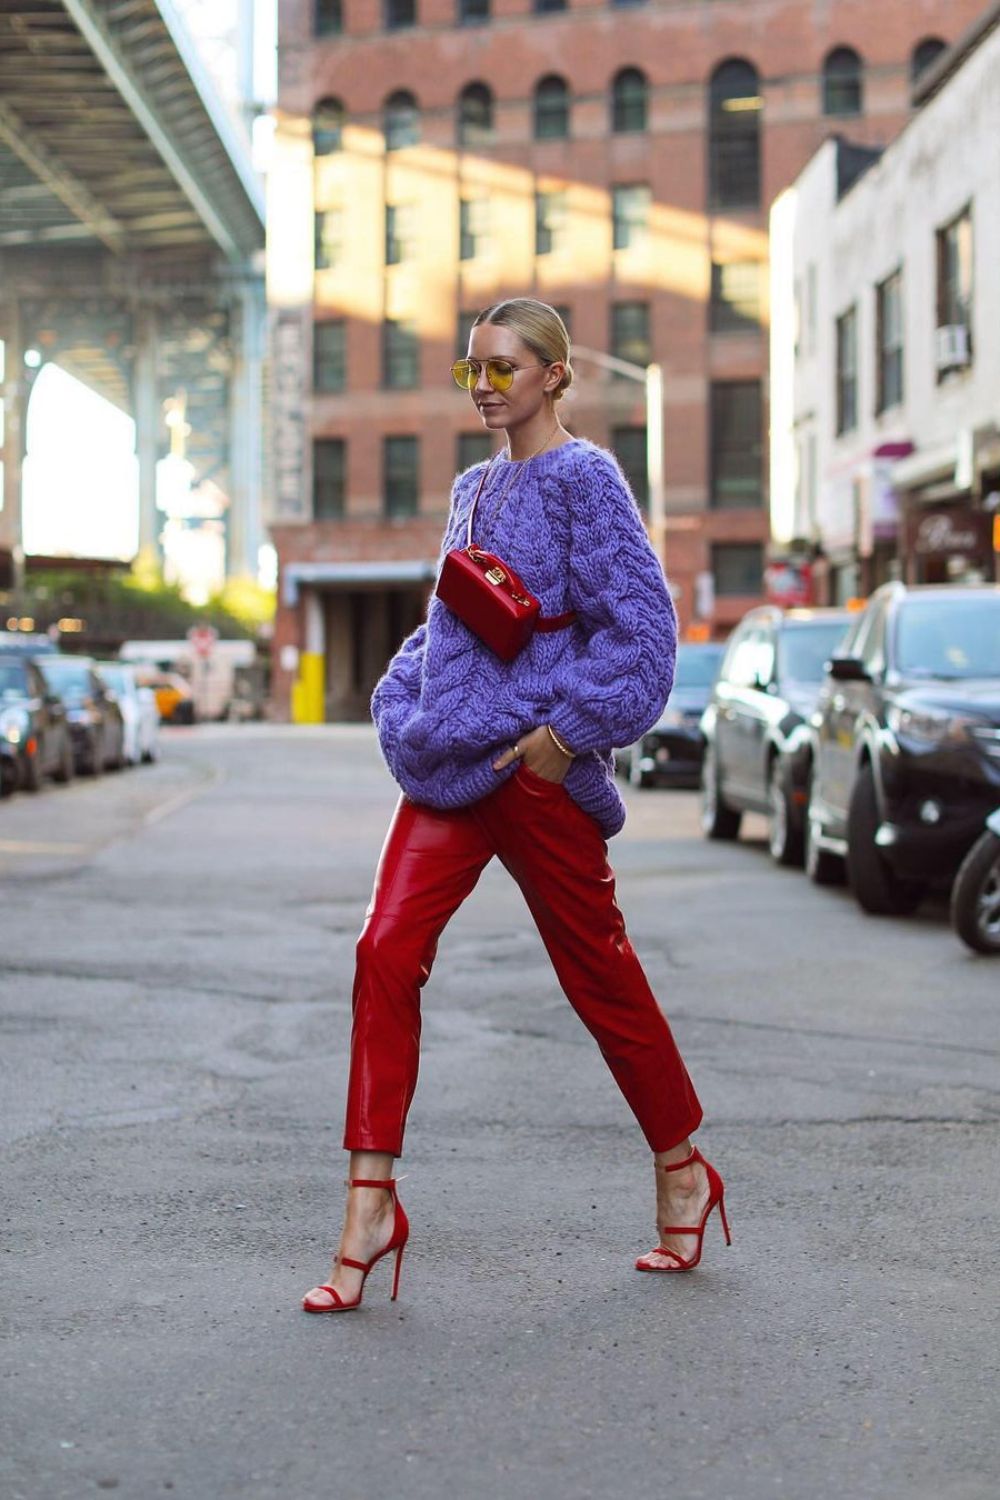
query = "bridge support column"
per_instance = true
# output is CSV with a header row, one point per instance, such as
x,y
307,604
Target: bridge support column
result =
x,y
15,403
243,530
147,432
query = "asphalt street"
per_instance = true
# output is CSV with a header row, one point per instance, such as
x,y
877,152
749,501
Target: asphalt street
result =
x,y
176,953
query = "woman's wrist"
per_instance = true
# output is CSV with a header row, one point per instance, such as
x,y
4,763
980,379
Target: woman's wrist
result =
x,y
560,744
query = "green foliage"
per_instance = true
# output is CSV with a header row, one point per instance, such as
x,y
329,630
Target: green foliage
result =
x,y
139,604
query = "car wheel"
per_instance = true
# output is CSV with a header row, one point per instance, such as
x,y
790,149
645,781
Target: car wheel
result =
x,y
822,867
784,831
718,819
32,778
66,768
878,889
975,897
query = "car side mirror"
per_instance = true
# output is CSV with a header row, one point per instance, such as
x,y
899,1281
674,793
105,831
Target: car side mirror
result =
x,y
848,669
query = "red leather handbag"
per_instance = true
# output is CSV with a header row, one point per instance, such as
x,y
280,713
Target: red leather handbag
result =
x,y
490,599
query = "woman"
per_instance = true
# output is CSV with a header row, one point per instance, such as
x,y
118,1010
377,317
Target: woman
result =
x,y
514,759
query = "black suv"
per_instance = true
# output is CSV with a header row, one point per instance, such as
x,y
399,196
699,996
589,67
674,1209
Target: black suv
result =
x,y
766,688
906,743
33,726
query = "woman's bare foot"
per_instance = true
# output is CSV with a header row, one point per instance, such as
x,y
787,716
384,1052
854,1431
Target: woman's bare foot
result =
x,y
368,1225
681,1198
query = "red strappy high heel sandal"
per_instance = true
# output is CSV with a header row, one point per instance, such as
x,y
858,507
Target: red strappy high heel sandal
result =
x,y
716,1195
400,1235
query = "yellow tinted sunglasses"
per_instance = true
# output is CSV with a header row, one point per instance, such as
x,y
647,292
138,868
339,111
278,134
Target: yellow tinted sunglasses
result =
x,y
499,372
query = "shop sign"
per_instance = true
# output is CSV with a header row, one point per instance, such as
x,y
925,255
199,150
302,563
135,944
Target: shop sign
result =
x,y
949,533
789,582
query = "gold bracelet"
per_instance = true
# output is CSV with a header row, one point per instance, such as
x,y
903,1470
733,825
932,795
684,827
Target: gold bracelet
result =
x,y
559,744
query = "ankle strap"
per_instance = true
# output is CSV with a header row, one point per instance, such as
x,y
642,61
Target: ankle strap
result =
x,y
675,1166
375,1182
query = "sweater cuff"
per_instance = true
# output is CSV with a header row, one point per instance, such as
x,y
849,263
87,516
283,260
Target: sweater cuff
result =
x,y
576,730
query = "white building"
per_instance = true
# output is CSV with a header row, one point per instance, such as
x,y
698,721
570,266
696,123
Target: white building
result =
x,y
885,342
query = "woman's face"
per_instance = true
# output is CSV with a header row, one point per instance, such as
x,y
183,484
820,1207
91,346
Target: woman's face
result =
x,y
531,387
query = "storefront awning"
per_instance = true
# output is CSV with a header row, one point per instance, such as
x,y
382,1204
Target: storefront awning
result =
x,y
926,466
346,575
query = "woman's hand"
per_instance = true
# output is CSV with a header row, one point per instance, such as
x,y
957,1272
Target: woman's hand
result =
x,y
538,751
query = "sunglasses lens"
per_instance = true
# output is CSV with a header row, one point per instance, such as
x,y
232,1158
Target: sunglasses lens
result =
x,y
464,374
499,374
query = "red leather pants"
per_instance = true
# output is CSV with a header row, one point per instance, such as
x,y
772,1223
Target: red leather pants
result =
x,y
555,851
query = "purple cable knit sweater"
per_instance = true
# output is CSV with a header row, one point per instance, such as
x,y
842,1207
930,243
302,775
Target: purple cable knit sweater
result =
x,y
447,706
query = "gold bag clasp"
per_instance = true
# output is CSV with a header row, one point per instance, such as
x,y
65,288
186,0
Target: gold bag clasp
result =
x,y
496,575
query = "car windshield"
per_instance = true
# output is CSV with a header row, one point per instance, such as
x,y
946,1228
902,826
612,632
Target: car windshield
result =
x,y
803,649
115,677
697,666
13,680
67,676
950,638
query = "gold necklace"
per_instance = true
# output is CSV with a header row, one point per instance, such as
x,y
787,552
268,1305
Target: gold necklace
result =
x,y
515,475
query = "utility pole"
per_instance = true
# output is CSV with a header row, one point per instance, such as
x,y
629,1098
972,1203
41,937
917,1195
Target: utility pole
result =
x,y
650,376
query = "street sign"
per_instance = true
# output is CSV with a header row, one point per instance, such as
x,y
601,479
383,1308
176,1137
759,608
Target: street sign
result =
x,y
203,639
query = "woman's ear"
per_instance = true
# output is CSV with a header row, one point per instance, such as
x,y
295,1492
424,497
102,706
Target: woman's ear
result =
x,y
552,380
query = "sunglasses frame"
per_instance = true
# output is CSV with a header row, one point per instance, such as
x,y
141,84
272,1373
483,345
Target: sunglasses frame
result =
x,y
479,365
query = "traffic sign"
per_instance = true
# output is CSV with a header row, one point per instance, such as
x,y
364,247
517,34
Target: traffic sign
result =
x,y
203,639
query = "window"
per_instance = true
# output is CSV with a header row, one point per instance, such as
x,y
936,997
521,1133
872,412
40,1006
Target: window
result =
x,y
735,304
630,332
473,448
551,109
629,99
847,371
400,233
736,448
328,18
545,7
475,115
630,204
401,461
842,93
473,227
328,478
924,54
473,12
328,127
629,446
738,568
402,120
566,313
734,135
954,274
463,331
330,355
400,355
889,333
550,222
399,14
329,238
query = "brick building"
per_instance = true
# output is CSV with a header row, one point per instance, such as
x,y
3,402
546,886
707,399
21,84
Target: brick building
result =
x,y
616,160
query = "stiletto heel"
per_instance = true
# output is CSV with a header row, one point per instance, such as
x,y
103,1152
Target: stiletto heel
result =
x,y
397,1241
716,1195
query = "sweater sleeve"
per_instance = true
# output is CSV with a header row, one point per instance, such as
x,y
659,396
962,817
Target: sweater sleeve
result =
x,y
615,689
397,692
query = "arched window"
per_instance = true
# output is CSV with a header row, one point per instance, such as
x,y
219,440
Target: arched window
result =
x,y
328,127
475,115
842,94
734,135
402,120
629,98
551,109
924,53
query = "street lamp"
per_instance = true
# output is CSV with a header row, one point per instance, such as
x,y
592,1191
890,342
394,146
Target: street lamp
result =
x,y
651,376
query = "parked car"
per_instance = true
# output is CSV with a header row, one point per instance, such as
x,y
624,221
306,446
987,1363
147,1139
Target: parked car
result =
x,y
96,726
26,643
906,743
174,698
766,688
33,726
140,714
672,750
975,896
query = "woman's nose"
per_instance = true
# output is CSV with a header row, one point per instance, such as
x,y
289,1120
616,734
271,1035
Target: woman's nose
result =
x,y
482,382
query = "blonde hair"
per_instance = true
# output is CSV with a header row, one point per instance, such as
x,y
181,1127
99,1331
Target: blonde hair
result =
x,y
540,327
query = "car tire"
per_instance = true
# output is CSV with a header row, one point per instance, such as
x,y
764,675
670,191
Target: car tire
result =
x,y
718,819
33,777
821,866
975,897
784,831
66,769
878,890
